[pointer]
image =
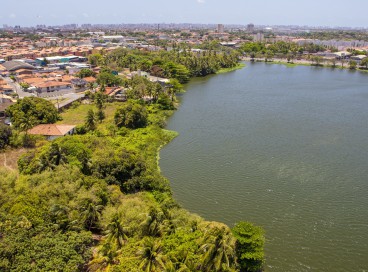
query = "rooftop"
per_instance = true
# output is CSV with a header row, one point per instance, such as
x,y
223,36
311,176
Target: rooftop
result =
x,y
16,65
51,130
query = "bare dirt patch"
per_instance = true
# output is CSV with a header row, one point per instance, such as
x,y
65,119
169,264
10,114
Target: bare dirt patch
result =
x,y
9,158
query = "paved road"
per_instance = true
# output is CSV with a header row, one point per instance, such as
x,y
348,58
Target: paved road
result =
x,y
66,99
16,88
56,93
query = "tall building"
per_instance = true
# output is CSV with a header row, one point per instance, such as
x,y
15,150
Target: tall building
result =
x,y
250,27
259,37
220,28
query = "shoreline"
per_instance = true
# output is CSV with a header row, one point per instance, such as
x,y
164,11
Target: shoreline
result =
x,y
305,63
239,66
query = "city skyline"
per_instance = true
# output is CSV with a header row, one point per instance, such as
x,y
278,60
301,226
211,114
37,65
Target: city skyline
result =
x,y
266,12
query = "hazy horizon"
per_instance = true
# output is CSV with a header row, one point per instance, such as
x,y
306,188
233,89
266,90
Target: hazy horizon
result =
x,y
328,13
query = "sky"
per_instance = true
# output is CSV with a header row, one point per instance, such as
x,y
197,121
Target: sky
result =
x,y
352,13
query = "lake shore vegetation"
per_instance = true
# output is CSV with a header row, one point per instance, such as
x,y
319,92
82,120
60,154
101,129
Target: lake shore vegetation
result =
x,y
97,201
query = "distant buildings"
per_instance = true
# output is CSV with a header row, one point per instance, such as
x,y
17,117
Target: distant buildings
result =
x,y
250,27
259,37
220,28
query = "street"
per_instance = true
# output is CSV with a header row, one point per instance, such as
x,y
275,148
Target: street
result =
x,y
17,89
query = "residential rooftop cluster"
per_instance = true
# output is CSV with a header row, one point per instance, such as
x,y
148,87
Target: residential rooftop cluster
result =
x,y
44,61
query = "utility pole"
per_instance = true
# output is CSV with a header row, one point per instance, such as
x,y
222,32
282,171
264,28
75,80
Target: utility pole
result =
x,y
57,101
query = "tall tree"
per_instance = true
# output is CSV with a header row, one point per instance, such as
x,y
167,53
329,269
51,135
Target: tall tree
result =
x,y
364,62
31,111
116,232
249,246
90,213
5,134
352,64
153,225
90,122
153,259
131,116
99,99
218,247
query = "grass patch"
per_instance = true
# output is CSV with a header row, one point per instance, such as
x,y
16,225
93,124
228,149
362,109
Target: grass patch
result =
x,y
362,70
226,70
77,116
290,64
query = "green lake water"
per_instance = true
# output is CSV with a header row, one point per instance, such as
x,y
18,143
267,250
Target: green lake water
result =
x,y
285,148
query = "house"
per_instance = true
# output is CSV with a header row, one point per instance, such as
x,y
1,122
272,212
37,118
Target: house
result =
x,y
117,93
79,83
358,58
23,72
51,86
6,89
342,55
52,131
13,66
90,79
3,71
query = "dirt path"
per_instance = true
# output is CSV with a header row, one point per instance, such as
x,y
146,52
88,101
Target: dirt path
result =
x,y
9,158
5,163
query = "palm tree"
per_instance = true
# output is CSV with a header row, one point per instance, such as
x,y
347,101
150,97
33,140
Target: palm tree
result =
x,y
103,258
218,250
364,62
25,123
153,224
54,157
100,101
116,233
184,262
59,215
153,260
90,120
90,214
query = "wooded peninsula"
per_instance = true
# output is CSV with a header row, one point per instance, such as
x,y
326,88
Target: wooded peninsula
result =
x,y
96,200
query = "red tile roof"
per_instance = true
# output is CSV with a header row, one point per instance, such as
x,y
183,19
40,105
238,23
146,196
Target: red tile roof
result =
x,y
51,130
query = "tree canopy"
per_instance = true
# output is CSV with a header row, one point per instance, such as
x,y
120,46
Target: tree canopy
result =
x,y
97,201
85,73
131,115
249,246
5,134
31,111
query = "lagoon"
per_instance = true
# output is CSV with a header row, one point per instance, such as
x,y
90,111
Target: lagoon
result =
x,y
285,148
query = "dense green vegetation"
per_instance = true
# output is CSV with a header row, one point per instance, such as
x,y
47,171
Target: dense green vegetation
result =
x,y
24,115
31,111
5,135
281,49
249,244
110,186
97,201
85,73
336,35
180,63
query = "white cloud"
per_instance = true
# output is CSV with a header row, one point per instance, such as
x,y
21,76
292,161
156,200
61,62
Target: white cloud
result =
x,y
12,15
201,1
85,15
